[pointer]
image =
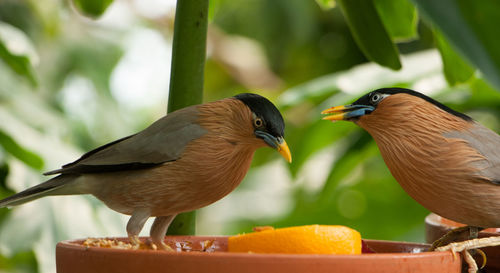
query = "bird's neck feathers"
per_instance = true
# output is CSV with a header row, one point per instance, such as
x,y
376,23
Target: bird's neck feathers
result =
x,y
231,120
221,158
402,115
411,136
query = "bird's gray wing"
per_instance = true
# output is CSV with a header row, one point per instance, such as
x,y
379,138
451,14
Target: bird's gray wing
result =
x,y
161,142
486,142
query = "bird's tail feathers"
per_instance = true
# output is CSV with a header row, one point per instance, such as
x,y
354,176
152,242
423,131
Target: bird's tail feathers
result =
x,y
54,186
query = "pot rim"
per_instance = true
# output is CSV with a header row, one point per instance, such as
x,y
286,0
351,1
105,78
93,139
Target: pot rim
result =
x,y
77,245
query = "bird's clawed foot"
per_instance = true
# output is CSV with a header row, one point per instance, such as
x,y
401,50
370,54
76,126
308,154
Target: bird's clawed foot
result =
x,y
465,246
134,241
456,235
149,244
160,246
158,231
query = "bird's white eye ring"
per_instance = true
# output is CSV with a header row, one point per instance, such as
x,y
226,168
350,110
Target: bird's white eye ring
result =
x,y
375,98
258,122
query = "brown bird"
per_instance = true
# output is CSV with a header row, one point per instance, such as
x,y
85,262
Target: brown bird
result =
x,y
443,159
184,161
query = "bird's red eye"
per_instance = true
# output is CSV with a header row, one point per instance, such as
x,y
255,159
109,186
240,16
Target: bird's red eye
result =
x,y
257,122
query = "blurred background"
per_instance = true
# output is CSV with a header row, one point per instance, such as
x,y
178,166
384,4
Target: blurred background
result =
x,y
70,82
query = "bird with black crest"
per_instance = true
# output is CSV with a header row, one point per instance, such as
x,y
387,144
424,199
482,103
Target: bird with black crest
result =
x,y
184,161
442,158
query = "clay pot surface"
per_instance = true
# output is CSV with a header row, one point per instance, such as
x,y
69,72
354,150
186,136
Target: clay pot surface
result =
x,y
436,226
72,256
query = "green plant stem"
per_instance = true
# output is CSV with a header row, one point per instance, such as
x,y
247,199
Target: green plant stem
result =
x,y
186,78
188,54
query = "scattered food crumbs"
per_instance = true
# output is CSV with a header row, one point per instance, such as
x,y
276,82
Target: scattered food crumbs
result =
x,y
185,246
114,243
179,246
208,246
106,243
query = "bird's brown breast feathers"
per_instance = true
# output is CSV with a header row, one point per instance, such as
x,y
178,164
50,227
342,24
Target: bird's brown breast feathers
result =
x,y
209,168
439,172
221,158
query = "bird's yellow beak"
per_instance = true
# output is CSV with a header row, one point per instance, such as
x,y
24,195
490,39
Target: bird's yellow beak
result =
x,y
285,151
337,111
277,143
347,112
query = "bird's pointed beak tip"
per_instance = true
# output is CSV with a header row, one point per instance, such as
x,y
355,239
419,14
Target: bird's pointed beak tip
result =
x,y
277,143
346,112
285,151
334,118
336,111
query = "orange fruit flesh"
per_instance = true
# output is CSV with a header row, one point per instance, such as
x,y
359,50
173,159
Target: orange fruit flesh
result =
x,y
313,239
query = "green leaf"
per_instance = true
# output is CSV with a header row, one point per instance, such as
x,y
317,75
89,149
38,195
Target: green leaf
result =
x,y
399,17
483,96
456,70
472,28
12,147
369,32
17,51
92,8
326,4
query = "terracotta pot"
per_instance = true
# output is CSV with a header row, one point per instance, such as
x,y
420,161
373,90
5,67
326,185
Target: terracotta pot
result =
x,y
73,257
436,226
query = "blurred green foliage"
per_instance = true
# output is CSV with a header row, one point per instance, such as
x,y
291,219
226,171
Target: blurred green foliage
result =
x,y
92,8
470,27
399,17
15,49
29,158
304,55
456,69
370,33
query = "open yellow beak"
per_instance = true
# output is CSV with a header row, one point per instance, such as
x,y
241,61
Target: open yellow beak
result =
x,y
347,112
337,111
285,151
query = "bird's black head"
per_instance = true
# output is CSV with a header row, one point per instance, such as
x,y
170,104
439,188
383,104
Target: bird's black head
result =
x,y
267,121
267,117
368,103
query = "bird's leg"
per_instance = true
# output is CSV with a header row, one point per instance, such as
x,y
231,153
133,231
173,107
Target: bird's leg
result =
x,y
464,246
135,225
471,244
474,232
158,231
456,234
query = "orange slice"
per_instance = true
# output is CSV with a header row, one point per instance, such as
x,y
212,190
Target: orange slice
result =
x,y
313,239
